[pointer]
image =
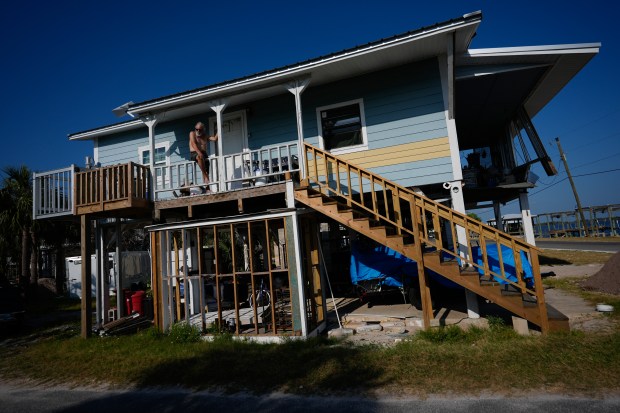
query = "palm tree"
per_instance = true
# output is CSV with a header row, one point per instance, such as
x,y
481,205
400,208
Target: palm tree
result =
x,y
16,213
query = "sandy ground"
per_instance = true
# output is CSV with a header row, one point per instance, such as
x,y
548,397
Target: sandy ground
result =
x,y
392,321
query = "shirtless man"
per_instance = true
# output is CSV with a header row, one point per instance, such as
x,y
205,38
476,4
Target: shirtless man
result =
x,y
198,141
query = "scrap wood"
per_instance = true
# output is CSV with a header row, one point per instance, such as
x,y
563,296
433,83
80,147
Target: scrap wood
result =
x,y
131,323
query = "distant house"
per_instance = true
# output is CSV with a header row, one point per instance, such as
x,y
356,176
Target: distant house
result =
x,y
350,140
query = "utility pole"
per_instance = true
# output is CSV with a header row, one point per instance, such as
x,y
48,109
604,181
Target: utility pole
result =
x,y
572,184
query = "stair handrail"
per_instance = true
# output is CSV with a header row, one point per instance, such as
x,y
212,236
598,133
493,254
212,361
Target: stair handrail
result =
x,y
332,165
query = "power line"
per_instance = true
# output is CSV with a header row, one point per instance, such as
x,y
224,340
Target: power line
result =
x,y
591,122
574,176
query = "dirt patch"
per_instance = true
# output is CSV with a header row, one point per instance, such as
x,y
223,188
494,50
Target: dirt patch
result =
x,y
607,280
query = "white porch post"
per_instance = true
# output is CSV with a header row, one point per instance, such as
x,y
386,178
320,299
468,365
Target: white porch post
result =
x,y
150,122
218,107
297,87
446,71
526,217
458,204
499,223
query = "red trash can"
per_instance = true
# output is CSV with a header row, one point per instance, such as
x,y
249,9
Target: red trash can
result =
x,y
136,302
128,306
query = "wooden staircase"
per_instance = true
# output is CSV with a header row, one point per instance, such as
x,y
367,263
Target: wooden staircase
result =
x,y
422,230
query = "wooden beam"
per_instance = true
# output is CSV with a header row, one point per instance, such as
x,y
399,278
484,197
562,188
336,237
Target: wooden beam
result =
x,y
87,317
222,196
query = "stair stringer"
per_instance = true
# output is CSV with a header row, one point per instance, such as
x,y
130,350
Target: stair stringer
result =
x,y
522,305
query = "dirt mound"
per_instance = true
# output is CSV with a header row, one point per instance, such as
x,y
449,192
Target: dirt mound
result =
x,y
607,280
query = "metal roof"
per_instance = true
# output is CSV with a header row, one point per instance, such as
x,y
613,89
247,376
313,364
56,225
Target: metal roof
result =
x,y
406,47
490,83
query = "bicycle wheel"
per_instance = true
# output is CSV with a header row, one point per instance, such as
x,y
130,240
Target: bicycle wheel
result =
x,y
263,299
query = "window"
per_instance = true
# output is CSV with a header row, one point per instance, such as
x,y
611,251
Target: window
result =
x,y
343,127
160,155
162,159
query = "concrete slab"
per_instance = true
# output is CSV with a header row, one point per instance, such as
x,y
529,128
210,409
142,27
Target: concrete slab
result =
x,y
566,271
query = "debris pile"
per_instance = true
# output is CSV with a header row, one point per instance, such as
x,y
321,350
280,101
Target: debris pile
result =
x,y
607,280
126,325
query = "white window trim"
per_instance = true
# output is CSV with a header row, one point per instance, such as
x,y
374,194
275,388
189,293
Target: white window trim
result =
x,y
158,145
348,149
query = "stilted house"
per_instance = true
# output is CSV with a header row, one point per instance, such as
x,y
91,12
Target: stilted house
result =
x,y
393,140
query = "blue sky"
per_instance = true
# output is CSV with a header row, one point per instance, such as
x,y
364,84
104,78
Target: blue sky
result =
x,y
67,64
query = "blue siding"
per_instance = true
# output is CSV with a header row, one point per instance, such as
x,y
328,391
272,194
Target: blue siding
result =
x,y
122,147
418,173
272,121
402,105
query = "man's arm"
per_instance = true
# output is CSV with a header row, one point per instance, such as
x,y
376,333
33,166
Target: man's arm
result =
x,y
213,138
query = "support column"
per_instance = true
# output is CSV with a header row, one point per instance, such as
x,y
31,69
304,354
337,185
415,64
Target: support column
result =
x,y
100,288
104,271
120,298
87,300
150,122
297,87
526,216
499,223
458,204
218,107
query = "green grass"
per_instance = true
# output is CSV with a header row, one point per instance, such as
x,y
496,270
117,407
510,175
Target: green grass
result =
x,y
572,257
440,360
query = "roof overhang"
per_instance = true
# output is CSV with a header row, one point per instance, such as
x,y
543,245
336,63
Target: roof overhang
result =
x,y
491,84
106,130
401,49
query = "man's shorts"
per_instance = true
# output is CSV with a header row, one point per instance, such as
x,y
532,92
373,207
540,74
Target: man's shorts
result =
x,y
193,156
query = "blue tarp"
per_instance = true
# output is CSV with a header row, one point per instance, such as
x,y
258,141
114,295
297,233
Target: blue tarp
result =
x,y
391,268
509,263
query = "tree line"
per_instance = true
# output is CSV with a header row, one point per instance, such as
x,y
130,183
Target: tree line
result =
x,y
21,237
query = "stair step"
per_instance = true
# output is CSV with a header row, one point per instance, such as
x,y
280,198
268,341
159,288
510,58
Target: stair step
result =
x,y
379,229
395,240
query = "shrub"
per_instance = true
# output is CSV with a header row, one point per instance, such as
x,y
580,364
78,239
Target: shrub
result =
x,y
183,333
450,334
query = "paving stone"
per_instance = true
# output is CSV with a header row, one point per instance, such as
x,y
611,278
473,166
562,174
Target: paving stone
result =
x,y
340,332
369,328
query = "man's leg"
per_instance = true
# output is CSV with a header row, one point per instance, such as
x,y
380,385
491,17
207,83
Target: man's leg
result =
x,y
201,165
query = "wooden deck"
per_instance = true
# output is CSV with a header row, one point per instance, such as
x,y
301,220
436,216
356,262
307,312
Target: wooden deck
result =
x,y
119,188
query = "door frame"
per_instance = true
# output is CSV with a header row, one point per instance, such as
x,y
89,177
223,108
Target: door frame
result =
x,y
228,116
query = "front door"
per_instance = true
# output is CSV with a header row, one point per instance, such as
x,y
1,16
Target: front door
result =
x,y
234,142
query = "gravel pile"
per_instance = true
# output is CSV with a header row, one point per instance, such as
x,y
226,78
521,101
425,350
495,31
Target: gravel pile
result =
x,y
607,280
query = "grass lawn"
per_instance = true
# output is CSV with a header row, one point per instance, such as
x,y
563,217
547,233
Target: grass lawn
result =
x,y
572,257
439,361
442,360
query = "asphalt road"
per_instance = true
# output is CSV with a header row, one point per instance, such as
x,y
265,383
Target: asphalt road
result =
x,y
580,245
43,400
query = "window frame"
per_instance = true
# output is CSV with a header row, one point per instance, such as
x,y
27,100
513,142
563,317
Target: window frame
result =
x,y
347,149
158,145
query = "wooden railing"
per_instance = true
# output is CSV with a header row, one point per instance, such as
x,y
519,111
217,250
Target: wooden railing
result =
x,y
417,217
111,184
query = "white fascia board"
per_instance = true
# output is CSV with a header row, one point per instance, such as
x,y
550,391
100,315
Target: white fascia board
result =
x,y
220,221
95,133
487,72
535,50
287,73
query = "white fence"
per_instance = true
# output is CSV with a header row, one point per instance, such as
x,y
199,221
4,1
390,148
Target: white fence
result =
x,y
52,193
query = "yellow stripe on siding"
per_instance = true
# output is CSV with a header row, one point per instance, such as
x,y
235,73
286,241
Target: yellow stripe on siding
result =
x,y
394,155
